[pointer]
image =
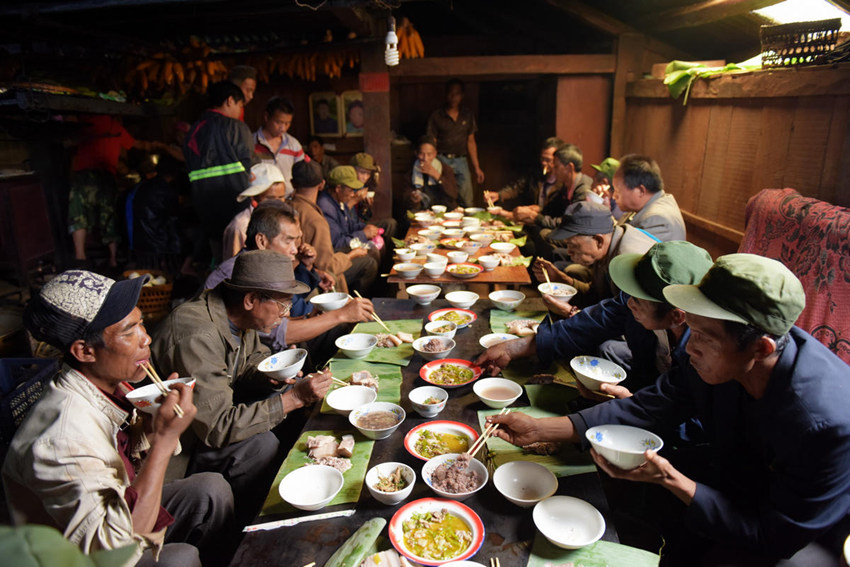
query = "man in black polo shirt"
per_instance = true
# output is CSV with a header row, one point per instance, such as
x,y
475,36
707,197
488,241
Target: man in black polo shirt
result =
x,y
454,129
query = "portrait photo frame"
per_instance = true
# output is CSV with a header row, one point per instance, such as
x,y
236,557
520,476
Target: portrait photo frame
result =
x,y
353,114
325,114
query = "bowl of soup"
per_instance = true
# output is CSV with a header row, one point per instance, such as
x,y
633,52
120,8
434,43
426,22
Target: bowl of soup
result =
x,y
418,531
377,420
497,392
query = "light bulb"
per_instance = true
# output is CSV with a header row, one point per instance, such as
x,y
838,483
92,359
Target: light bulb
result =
x,y
391,51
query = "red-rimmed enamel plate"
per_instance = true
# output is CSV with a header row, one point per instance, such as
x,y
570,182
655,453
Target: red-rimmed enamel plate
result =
x,y
438,316
442,426
423,505
428,369
477,270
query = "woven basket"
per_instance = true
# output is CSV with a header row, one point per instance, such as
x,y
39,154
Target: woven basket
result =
x,y
799,43
153,298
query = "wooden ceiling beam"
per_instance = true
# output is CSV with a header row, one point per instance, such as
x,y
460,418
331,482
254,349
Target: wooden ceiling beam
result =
x,y
505,65
700,14
356,19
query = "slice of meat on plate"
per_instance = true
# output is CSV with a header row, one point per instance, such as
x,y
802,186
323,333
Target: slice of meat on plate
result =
x,y
321,446
346,446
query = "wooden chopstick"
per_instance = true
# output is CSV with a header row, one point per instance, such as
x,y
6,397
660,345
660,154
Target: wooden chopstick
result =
x,y
340,382
375,315
494,562
489,200
486,435
149,370
311,564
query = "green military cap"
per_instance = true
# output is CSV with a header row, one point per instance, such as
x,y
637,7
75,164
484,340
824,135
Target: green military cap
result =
x,y
364,161
645,276
344,175
745,288
609,167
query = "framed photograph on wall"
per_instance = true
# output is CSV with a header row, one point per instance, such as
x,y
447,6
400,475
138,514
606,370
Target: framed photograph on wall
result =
x,y
325,114
353,114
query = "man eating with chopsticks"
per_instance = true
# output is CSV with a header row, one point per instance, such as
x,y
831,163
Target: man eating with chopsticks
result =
x,y
214,339
83,461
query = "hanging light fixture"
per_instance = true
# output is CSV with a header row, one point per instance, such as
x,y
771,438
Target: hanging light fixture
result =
x,y
391,50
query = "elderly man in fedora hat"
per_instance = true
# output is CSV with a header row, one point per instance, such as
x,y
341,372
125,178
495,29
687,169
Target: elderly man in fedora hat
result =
x,y
215,339
84,461
772,475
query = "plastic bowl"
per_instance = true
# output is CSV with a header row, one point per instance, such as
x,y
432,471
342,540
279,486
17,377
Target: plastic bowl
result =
x,y
356,345
417,397
343,400
383,433
503,247
284,364
435,269
493,339
145,398
405,254
623,445
408,270
330,301
506,299
447,344
474,464
568,291
432,326
497,393
423,294
593,371
384,470
462,299
311,487
525,483
489,263
457,257
569,523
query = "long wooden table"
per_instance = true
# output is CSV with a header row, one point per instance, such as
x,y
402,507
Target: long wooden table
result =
x,y
509,529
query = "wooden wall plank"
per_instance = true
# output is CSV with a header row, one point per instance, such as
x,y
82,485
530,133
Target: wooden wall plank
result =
x,y
582,115
736,186
773,133
709,199
807,146
834,186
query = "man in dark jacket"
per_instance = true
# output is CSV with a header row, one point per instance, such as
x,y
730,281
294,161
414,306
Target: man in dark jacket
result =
x,y
219,154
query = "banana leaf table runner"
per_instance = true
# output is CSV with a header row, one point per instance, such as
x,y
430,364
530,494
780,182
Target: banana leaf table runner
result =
x,y
499,318
297,458
399,355
518,371
389,379
600,554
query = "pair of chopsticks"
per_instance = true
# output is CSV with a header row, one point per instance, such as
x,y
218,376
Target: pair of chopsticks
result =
x,y
489,200
149,370
375,315
311,564
339,382
481,441
494,562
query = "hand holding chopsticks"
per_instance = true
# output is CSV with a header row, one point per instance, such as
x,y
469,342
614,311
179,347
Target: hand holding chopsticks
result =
x,y
149,370
375,315
481,441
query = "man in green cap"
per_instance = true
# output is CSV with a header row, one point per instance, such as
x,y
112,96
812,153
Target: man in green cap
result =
x,y
655,331
773,473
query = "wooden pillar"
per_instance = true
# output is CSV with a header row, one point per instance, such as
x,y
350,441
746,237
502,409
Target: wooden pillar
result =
x,y
630,49
375,86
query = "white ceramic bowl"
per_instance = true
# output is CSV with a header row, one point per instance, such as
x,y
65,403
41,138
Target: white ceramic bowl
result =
x,y
424,219
471,247
593,371
473,210
145,398
568,522
462,299
506,299
345,399
447,344
494,210
451,224
470,221
525,483
330,301
356,345
457,257
357,413
475,466
623,445
497,393
453,216
453,233
492,339
439,209
489,263
384,470
422,248
435,269
432,326
435,257
472,270
408,270
311,487
405,254
423,294
463,564
503,247
483,238
568,291
430,234
417,397
284,364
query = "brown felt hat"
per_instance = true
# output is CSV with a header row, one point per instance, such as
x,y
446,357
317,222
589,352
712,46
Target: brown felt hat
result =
x,y
265,271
